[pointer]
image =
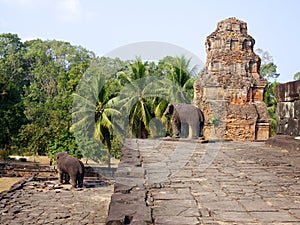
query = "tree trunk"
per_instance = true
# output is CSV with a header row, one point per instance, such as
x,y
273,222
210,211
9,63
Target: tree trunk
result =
x,y
109,159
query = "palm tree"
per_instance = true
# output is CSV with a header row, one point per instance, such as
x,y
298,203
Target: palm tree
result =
x,y
181,77
144,95
177,69
132,100
92,114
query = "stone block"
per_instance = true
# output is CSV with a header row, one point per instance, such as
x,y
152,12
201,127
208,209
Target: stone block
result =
x,y
297,109
243,112
130,171
285,142
214,132
240,130
176,220
258,94
120,213
288,110
129,182
262,131
285,109
214,93
281,125
293,127
288,92
263,115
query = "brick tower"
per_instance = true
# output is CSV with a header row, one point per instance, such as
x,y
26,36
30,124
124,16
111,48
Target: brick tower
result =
x,y
229,89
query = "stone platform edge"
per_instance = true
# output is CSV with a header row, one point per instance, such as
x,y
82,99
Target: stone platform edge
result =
x,y
129,201
285,142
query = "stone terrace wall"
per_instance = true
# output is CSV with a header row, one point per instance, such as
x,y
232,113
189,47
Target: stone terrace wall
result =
x,y
288,97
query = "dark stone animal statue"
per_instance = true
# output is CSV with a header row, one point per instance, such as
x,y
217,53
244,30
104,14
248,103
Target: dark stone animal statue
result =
x,y
187,120
67,164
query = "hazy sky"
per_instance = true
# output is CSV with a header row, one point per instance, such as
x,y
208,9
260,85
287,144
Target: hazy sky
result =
x,y
102,26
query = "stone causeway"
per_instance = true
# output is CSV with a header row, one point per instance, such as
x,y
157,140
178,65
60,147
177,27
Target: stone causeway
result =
x,y
187,183
167,181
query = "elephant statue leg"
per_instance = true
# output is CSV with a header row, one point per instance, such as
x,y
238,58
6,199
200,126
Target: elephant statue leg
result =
x,y
194,130
185,130
60,176
201,122
80,176
73,181
175,127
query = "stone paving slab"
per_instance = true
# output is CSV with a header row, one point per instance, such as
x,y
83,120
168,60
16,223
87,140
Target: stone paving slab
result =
x,y
173,182
217,182
35,201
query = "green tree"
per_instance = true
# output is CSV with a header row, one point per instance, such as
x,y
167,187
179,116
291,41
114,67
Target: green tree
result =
x,y
92,111
13,71
145,93
270,100
268,70
132,98
54,70
297,76
178,70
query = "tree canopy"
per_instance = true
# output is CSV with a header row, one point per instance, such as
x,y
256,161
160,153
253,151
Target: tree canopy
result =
x,y
59,97
297,76
268,70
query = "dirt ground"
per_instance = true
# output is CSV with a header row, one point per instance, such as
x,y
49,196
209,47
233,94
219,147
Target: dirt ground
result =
x,y
39,159
7,182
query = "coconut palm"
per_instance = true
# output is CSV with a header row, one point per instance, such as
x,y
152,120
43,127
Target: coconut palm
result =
x,y
144,95
179,71
92,113
132,100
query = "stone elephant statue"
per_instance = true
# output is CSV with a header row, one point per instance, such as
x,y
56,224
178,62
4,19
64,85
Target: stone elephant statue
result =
x,y
187,120
67,164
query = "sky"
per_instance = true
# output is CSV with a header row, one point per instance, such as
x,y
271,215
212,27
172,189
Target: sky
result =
x,y
103,26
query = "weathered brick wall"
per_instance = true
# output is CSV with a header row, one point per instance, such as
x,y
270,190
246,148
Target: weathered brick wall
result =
x,y
288,109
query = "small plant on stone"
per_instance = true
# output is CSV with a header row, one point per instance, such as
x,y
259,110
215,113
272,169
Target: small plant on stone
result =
x,y
215,120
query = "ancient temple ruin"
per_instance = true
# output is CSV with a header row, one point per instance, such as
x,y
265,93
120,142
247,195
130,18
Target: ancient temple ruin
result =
x,y
229,89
